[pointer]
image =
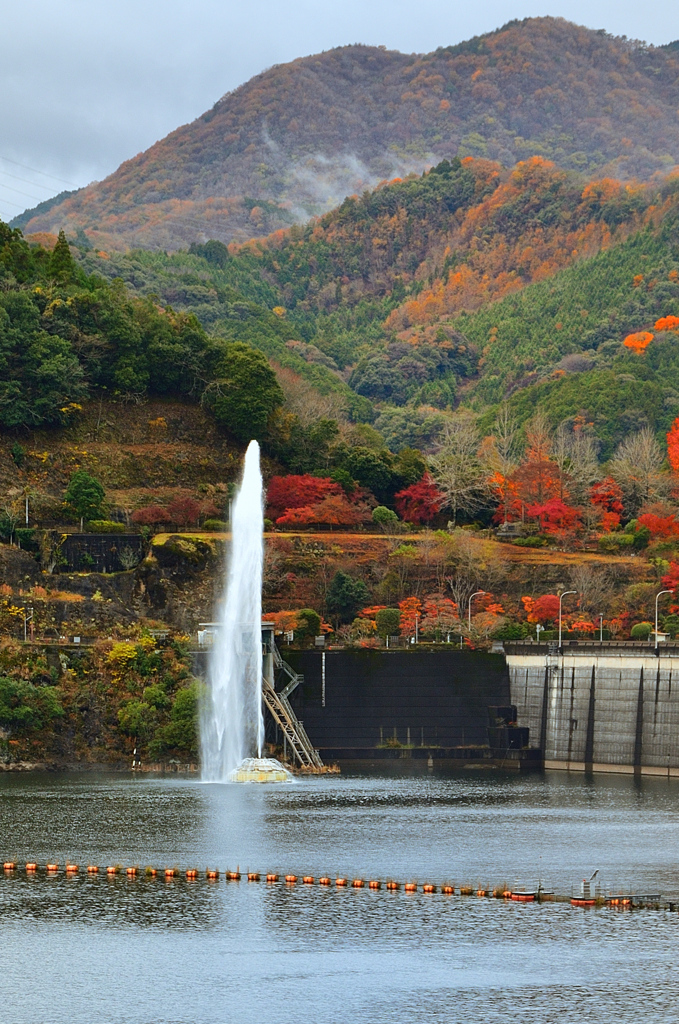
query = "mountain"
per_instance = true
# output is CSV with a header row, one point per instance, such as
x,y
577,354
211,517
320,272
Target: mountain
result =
x,y
298,138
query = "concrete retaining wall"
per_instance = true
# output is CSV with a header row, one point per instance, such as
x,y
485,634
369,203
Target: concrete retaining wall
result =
x,y
599,708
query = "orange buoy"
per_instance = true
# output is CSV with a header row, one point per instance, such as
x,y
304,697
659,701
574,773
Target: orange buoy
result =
x,y
92,869
151,872
357,883
291,879
324,880
169,872
374,885
191,874
72,869
212,876
481,892
523,897
253,876
52,868
428,888
393,885
448,890
410,887
9,865
308,879
341,882
131,872
111,871
507,894
272,878
232,876
31,866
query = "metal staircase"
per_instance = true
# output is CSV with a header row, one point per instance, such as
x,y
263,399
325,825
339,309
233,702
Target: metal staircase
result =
x,y
281,710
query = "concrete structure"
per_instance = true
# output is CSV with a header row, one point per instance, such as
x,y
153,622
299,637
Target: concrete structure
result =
x,y
609,706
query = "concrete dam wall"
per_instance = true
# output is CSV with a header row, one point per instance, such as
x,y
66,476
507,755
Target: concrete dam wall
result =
x,y
599,707
439,704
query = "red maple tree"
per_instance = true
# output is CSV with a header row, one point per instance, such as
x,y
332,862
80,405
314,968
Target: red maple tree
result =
x,y
420,502
297,491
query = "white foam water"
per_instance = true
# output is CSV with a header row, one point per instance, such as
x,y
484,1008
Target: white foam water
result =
x,y
232,720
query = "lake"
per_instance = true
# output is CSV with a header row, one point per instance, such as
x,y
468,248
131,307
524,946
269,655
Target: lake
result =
x,y
146,951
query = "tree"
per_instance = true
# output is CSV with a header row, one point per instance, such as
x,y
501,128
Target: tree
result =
x,y
334,510
636,468
500,458
62,265
184,511
673,445
85,495
420,502
544,609
346,595
297,491
457,468
308,624
151,515
410,609
556,517
244,392
25,708
385,518
388,621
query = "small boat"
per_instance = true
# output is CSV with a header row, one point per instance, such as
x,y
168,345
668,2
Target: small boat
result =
x,y
580,901
524,897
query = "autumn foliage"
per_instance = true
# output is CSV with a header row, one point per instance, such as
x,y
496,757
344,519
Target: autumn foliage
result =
x,y
286,493
639,341
420,502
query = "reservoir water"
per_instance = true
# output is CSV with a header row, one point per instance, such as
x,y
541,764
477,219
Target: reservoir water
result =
x,y
141,951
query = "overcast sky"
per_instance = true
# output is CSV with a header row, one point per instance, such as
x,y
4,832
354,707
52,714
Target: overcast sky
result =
x,y
85,84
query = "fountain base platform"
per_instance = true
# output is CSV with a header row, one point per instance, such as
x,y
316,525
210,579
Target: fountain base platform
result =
x,y
260,769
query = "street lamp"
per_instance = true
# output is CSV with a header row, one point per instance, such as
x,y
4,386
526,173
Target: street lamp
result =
x,y
561,597
660,594
601,627
476,593
538,629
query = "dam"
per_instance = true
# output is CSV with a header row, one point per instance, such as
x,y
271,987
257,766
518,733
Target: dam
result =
x,y
608,706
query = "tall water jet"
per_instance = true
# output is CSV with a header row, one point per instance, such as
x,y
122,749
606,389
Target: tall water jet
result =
x,y
232,720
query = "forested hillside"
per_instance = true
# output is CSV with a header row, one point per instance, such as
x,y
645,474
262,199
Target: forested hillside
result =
x,y
298,138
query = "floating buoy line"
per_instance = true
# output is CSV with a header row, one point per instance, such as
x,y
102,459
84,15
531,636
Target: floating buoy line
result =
x,y
624,901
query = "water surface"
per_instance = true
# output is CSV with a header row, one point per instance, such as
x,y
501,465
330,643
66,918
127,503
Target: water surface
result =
x,y
151,952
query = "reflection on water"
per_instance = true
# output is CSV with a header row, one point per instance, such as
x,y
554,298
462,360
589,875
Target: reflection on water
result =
x,y
146,950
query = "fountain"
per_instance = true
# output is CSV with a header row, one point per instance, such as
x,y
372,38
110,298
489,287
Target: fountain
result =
x,y
232,719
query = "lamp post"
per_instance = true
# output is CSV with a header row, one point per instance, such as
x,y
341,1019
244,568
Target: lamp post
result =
x,y
601,627
561,597
538,629
476,593
660,594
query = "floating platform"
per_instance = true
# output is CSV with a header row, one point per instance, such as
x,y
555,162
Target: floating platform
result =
x,y
260,769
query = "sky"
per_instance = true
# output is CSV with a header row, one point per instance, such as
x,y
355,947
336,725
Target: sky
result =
x,y
86,84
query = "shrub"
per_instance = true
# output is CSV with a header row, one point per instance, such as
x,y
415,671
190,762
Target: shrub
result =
x,y
531,542
641,631
25,707
614,542
105,526
215,524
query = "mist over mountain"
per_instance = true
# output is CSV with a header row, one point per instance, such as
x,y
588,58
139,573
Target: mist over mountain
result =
x,y
295,140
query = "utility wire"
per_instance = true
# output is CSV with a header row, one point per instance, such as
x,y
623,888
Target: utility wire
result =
x,y
26,181
36,171
19,192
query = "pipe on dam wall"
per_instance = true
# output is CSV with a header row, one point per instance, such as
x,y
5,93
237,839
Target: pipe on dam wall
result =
x,y
599,709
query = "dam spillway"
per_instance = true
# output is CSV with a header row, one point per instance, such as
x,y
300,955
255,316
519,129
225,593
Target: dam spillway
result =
x,y
611,707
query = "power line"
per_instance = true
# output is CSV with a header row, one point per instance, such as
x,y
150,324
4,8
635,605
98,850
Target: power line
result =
x,y
35,171
26,181
19,192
